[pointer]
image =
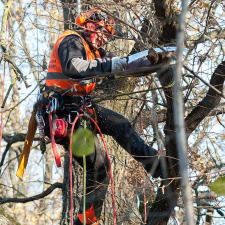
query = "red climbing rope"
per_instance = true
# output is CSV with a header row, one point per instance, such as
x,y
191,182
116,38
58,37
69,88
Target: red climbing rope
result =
x,y
71,168
110,170
54,148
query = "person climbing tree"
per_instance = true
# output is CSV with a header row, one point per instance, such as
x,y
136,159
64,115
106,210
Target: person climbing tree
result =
x,y
76,55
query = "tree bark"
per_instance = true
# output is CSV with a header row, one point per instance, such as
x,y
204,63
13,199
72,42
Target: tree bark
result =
x,y
6,219
169,190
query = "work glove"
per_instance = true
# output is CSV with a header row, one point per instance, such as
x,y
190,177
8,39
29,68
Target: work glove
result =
x,y
118,64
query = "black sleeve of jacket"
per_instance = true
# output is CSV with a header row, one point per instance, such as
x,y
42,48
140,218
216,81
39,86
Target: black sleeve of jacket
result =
x,y
105,54
74,61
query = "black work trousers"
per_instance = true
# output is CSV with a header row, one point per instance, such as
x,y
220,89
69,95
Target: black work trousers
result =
x,y
98,176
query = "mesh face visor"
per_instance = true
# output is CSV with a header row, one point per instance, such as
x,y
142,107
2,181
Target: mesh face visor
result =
x,y
102,19
105,31
98,16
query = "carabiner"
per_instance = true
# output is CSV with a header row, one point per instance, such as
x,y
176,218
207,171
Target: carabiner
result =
x,y
69,116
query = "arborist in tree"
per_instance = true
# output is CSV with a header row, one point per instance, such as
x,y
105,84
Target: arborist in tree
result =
x,y
76,55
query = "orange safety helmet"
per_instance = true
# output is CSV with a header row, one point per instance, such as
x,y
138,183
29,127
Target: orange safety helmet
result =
x,y
97,15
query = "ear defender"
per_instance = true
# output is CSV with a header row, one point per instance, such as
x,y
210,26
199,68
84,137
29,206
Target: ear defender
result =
x,y
80,19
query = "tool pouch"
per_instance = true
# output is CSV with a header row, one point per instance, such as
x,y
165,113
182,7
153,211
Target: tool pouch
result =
x,y
61,128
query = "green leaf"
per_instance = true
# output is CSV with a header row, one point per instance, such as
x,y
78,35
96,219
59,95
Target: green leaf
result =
x,y
83,142
219,186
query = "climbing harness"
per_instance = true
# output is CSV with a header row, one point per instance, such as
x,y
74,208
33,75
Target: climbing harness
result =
x,y
58,127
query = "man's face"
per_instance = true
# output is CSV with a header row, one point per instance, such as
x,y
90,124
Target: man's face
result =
x,y
98,36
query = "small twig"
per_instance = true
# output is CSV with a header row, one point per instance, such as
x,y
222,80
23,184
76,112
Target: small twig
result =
x,y
203,81
5,55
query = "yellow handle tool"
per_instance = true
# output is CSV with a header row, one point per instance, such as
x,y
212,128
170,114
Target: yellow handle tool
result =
x,y
32,127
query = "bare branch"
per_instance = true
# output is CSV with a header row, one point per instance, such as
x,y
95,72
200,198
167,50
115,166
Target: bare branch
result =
x,y
5,54
35,197
210,101
179,120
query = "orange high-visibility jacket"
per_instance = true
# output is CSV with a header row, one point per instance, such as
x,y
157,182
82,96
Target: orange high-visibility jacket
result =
x,y
59,81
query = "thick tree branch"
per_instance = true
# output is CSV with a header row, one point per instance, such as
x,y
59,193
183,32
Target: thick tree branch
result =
x,y
4,21
162,8
210,101
11,140
35,197
169,191
164,12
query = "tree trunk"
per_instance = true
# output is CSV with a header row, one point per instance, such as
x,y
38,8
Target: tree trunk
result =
x,y
6,219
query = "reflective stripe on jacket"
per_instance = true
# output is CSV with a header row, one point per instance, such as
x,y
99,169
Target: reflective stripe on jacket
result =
x,y
59,81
